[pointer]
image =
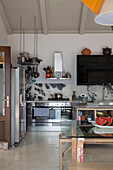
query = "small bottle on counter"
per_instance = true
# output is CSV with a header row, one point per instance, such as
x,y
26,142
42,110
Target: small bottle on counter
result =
x,y
74,95
79,117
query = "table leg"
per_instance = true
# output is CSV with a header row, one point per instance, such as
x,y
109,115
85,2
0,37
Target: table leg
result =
x,y
80,143
74,149
60,154
61,141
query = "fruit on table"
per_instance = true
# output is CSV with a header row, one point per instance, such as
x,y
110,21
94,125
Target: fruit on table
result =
x,y
109,120
100,121
108,135
100,114
104,121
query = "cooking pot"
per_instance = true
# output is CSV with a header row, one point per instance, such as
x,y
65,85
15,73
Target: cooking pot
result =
x,y
33,60
37,74
86,51
58,96
107,51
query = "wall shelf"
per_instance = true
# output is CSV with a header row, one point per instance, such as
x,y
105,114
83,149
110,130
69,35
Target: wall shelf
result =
x,y
28,63
59,78
51,80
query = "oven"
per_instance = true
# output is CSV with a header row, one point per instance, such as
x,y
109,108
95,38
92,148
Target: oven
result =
x,y
47,115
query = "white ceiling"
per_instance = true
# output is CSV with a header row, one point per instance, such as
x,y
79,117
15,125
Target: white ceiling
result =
x,y
53,16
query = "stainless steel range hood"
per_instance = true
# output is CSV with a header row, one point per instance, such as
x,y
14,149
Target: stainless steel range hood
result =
x,y
58,64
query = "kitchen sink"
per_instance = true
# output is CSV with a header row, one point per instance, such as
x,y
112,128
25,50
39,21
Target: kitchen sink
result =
x,y
101,104
106,103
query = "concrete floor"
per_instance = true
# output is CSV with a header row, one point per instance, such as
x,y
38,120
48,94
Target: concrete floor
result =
x,y
40,151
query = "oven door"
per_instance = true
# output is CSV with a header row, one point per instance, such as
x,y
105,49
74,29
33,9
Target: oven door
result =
x,y
52,113
61,113
51,121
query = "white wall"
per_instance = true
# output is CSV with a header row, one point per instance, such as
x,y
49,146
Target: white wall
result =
x,y
3,34
69,45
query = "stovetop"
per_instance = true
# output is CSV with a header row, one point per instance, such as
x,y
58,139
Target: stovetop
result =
x,y
64,102
62,99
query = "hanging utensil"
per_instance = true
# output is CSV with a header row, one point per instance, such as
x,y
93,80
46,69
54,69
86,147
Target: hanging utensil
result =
x,y
33,72
37,74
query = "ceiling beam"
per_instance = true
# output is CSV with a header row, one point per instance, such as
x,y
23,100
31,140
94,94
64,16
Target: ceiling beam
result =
x,y
44,16
83,19
5,19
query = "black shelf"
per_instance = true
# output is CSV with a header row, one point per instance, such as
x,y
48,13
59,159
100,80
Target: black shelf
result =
x,y
29,63
94,69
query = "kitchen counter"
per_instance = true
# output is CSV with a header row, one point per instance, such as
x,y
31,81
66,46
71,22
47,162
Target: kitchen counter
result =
x,y
102,103
97,102
49,101
59,103
29,101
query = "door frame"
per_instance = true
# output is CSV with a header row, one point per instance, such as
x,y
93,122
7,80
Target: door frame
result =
x,y
6,119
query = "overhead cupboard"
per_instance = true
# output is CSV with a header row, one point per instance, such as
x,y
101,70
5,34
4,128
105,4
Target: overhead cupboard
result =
x,y
94,69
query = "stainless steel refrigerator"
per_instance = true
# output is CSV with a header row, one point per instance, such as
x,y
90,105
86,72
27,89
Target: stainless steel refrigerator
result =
x,y
18,105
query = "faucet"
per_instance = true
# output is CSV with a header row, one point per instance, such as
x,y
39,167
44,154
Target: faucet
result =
x,y
92,96
109,90
109,87
103,93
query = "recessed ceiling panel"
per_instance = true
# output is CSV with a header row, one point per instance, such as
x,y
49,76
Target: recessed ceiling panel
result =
x,y
63,15
25,8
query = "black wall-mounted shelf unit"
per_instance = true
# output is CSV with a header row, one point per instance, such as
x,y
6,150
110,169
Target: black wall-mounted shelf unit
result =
x,y
94,69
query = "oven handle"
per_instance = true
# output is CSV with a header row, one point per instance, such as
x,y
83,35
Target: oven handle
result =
x,y
56,108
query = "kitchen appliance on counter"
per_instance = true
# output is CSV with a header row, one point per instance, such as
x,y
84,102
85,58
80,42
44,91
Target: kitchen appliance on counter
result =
x,y
46,116
18,105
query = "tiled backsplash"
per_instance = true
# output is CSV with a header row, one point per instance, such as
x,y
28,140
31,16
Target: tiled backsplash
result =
x,y
45,91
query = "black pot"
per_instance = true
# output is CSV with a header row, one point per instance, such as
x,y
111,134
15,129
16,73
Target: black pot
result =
x,y
107,51
58,96
33,60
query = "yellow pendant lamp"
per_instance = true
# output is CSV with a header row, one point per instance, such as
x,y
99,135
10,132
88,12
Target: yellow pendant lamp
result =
x,y
105,15
93,5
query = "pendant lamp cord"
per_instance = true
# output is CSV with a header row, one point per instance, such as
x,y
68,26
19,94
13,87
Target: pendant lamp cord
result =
x,y
23,40
20,34
34,36
37,43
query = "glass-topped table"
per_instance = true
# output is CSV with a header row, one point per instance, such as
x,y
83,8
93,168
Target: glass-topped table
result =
x,y
80,132
84,129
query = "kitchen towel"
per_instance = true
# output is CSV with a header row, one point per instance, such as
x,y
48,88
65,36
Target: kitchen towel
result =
x,y
41,112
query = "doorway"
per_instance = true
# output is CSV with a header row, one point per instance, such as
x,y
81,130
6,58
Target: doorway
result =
x,y
5,94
